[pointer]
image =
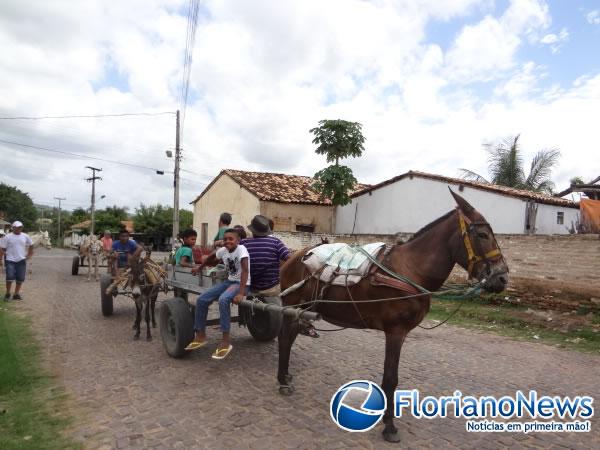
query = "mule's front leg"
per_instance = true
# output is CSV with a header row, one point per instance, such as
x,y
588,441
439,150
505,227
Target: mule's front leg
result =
x,y
287,336
393,345
152,308
148,334
138,318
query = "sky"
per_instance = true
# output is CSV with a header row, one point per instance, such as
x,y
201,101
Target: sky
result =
x,y
430,81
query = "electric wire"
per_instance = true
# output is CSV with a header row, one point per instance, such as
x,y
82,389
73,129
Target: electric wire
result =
x,y
192,21
86,116
82,156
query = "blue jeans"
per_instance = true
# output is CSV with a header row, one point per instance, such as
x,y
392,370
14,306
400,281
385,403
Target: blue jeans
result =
x,y
225,292
16,270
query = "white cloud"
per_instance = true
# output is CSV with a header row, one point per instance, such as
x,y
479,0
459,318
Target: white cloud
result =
x,y
593,17
486,50
555,40
266,72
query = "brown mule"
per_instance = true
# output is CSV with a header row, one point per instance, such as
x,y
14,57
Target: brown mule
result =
x,y
461,236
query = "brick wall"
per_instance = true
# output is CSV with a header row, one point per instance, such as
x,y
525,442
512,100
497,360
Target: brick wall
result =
x,y
547,263
573,260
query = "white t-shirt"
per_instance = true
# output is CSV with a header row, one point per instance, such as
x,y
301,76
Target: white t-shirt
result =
x,y
233,262
16,246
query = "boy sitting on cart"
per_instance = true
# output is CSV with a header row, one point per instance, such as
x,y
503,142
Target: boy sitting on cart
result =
x,y
237,261
184,256
122,250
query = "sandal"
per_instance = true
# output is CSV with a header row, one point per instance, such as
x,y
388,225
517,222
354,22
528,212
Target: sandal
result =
x,y
308,330
195,345
221,353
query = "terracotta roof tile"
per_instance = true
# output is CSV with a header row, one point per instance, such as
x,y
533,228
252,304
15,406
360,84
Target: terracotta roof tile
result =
x,y
502,190
276,187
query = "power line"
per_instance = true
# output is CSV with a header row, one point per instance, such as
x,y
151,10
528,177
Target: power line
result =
x,y
62,152
192,21
87,116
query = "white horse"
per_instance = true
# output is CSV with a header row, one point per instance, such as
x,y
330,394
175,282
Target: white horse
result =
x,y
41,239
91,249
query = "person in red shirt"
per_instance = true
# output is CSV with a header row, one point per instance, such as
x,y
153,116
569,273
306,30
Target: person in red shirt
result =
x,y
107,242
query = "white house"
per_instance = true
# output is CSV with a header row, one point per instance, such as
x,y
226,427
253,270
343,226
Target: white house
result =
x,y
409,201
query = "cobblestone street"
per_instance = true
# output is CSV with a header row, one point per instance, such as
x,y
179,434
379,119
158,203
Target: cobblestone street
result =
x,y
131,394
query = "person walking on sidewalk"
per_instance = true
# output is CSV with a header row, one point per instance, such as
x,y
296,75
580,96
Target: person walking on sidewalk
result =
x,y
16,248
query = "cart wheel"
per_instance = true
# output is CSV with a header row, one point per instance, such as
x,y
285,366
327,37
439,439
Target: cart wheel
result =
x,y
106,299
75,265
176,326
264,325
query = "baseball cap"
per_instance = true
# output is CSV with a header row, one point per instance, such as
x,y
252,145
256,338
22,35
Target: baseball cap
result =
x,y
17,224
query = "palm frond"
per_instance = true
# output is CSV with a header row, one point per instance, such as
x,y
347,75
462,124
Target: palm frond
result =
x,y
467,174
505,163
541,168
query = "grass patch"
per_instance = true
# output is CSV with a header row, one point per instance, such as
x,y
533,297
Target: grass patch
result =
x,y
31,407
505,319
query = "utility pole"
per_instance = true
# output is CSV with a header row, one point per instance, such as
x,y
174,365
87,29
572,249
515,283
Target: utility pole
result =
x,y
59,235
93,179
176,182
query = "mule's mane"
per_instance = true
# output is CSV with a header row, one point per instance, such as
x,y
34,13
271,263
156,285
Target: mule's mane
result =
x,y
429,226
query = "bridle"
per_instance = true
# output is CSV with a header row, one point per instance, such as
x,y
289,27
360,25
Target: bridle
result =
x,y
468,228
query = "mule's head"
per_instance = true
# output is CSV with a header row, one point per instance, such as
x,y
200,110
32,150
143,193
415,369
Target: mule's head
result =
x,y
478,251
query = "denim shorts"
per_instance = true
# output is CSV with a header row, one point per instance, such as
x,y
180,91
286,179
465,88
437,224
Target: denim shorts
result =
x,y
15,271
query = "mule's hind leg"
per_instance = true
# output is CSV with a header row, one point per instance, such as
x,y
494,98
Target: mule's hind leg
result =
x,y
393,344
287,336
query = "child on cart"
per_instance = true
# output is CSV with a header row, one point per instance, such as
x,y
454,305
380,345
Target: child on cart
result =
x,y
237,261
184,256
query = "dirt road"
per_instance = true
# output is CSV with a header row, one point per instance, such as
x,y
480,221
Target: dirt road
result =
x,y
130,394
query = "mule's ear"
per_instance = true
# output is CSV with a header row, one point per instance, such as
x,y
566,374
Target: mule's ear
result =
x,y
461,202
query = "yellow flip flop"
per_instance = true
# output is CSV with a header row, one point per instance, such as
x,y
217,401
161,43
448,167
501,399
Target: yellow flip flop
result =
x,y
195,345
222,353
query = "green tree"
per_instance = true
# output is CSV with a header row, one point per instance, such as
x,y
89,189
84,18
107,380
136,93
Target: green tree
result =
x,y
109,218
505,165
154,220
577,180
337,139
17,205
186,219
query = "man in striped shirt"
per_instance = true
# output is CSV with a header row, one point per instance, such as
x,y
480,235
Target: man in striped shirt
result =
x,y
266,253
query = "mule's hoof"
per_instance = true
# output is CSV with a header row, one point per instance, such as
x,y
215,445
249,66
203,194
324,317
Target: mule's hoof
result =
x,y
391,436
133,327
289,378
153,324
286,390
136,337
148,338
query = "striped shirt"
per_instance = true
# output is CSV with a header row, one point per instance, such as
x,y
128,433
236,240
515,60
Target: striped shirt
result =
x,y
265,254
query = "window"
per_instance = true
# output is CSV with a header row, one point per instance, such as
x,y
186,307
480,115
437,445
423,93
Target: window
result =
x,y
204,235
305,228
560,218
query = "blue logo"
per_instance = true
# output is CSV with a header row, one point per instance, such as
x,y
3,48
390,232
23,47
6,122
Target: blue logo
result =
x,y
364,418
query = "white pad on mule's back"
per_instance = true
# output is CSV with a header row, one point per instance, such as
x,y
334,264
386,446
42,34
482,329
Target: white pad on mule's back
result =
x,y
341,264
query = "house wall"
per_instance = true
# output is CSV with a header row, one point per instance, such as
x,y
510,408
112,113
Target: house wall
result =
x,y
225,195
287,215
409,204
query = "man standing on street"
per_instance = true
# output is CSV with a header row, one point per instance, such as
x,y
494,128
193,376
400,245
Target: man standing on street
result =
x,y
16,248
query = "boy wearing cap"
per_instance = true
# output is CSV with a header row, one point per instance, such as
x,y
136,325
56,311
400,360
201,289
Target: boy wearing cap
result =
x,y
16,248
